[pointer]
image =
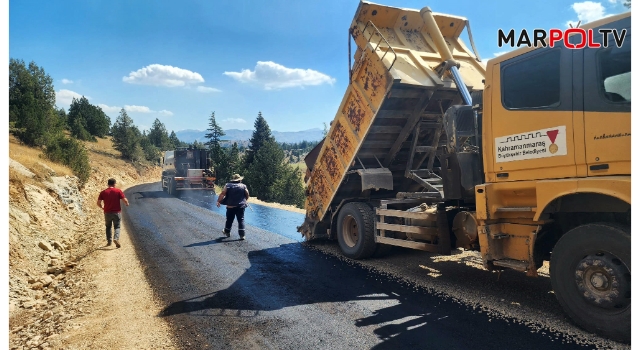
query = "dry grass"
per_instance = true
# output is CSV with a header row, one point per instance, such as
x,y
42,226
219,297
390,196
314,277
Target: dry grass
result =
x,y
30,157
103,146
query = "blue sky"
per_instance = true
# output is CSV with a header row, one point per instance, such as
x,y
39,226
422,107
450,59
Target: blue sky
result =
x,y
179,61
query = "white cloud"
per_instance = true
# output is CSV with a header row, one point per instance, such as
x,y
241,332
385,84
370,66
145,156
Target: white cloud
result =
x,y
109,109
67,81
207,89
160,75
64,97
145,109
137,109
587,11
271,75
235,120
613,1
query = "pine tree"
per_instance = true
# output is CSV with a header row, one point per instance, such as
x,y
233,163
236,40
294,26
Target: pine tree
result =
x,y
126,137
159,137
151,152
265,170
261,135
288,189
62,118
174,142
86,120
217,154
32,103
78,128
234,159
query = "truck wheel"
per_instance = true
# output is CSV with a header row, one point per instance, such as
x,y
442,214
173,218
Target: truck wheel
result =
x,y
591,278
356,224
172,187
164,189
176,193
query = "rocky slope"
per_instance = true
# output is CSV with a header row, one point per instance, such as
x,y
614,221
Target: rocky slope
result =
x,y
66,290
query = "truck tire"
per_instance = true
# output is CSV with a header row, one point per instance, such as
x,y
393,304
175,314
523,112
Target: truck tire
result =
x,y
164,189
176,193
356,224
172,187
591,277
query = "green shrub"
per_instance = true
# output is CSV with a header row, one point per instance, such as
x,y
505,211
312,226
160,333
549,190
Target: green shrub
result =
x,y
71,153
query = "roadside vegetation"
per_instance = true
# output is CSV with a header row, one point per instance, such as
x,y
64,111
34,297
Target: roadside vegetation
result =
x,y
273,171
37,122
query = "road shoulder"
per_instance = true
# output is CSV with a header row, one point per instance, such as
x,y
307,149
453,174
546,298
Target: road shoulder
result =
x,y
124,312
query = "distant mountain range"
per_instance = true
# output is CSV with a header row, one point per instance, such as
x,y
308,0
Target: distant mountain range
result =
x,y
242,136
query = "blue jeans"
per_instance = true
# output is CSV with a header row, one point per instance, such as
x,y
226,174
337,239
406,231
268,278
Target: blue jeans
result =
x,y
112,218
232,213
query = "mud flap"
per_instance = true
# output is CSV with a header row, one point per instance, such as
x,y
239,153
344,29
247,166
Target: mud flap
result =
x,y
376,178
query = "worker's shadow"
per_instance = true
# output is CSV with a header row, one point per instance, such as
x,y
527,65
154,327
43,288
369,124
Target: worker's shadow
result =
x,y
213,241
150,194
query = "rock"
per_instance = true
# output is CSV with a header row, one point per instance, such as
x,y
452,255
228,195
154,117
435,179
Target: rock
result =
x,y
19,215
37,286
58,246
55,270
29,304
46,280
20,168
45,246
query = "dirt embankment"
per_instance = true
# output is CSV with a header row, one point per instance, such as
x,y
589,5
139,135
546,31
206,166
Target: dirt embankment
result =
x,y
66,289
277,205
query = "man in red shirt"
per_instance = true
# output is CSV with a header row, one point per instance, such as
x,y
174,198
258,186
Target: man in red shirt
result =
x,y
111,197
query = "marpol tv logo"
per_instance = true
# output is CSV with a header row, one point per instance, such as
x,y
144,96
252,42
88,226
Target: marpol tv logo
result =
x,y
561,37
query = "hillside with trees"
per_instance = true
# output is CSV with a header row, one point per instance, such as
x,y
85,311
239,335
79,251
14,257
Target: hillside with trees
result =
x,y
268,173
271,169
37,122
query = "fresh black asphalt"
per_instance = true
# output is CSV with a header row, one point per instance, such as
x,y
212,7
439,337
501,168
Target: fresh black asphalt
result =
x,y
271,292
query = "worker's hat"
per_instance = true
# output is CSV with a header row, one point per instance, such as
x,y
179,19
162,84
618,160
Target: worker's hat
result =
x,y
237,177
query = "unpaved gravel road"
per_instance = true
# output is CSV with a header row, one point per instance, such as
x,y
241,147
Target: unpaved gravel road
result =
x,y
270,292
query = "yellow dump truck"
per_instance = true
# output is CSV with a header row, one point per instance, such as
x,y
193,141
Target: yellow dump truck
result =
x,y
526,160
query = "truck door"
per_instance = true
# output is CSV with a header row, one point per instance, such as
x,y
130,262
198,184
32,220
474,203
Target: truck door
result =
x,y
531,118
607,104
